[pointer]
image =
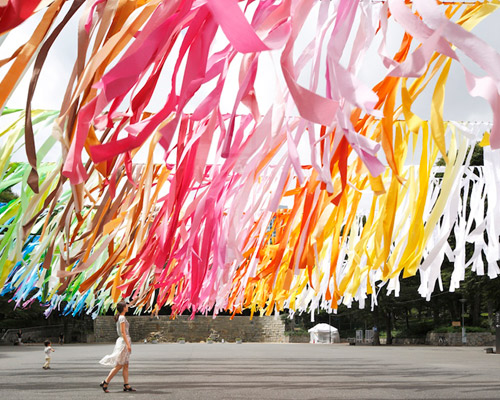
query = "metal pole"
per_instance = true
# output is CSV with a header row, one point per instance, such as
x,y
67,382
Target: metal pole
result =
x,y
497,326
464,337
330,327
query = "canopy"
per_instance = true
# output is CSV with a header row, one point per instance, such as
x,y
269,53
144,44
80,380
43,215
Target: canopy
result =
x,y
324,333
323,328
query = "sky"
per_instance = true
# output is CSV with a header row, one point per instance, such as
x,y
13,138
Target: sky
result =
x,y
459,105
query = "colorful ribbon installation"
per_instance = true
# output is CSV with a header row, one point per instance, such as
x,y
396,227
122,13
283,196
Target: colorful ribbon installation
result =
x,y
203,231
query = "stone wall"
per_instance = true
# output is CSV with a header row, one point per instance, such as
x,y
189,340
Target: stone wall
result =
x,y
455,339
298,338
408,341
260,329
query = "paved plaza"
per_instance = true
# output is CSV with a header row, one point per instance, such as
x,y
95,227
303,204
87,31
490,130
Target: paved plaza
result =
x,y
254,371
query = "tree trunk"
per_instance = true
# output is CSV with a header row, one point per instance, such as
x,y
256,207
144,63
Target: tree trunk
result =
x,y
491,315
376,337
388,317
476,309
455,312
435,314
66,330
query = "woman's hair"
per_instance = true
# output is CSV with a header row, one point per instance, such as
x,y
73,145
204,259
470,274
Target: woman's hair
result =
x,y
119,308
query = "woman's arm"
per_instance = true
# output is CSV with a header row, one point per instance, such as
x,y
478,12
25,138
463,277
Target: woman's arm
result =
x,y
125,337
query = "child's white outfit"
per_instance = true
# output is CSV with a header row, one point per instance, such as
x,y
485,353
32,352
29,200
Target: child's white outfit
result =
x,y
120,355
47,351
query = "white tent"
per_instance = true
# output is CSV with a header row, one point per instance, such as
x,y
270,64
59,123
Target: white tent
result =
x,y
324,333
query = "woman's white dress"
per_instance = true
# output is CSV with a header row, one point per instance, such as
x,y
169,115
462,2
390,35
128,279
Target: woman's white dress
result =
x,y
120,355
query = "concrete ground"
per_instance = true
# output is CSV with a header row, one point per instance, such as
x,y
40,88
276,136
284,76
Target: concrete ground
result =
x,y
254,371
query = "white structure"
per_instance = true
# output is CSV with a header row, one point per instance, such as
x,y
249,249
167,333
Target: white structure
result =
x,y
324,333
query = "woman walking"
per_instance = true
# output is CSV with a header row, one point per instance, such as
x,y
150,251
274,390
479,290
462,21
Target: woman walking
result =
x,y
121,353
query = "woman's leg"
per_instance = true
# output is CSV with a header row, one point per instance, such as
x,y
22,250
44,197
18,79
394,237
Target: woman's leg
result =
x,y
126,386
125,374
113,372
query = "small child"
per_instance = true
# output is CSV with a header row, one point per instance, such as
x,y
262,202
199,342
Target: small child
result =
x,y
48,349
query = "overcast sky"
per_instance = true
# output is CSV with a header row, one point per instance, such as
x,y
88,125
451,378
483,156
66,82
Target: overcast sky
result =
x,y
57,69
56,72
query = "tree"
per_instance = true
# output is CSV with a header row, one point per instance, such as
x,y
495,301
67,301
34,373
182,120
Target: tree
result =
x,y
481,292
7,194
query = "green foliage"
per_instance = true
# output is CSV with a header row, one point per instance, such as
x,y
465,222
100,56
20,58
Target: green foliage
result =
x,y
11,317
477,158
457,329
418,329
7,195
297,332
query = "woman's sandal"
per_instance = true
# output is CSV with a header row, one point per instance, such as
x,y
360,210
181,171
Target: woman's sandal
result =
x,y
128,388
104,386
